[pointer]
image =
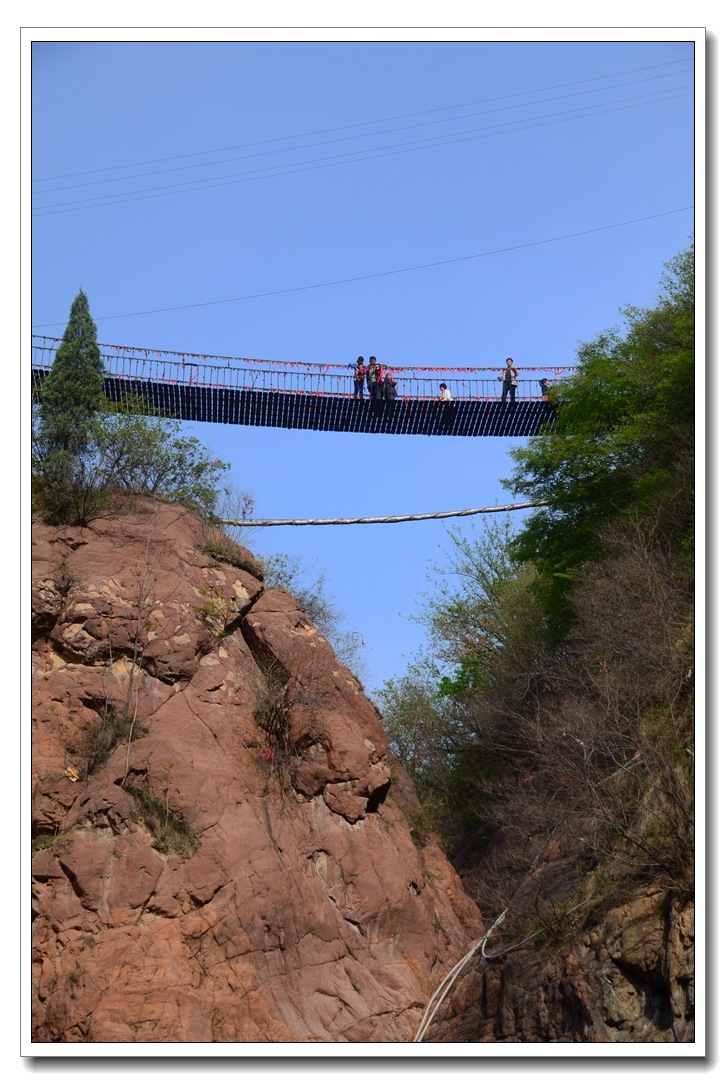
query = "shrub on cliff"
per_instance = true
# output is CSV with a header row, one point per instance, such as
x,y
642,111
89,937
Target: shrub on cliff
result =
x,y
137,454
308,586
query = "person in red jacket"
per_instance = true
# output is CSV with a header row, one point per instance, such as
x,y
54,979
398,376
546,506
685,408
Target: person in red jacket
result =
x,y
359,378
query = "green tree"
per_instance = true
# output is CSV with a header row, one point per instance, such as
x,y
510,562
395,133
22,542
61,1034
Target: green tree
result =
x,y
481,603
90,456
130,454
433,733
624,434
133,453
72,395
452,718
558,690
416,722
73,390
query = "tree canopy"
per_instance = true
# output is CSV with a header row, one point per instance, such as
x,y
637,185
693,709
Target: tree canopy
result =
x,y
624,434
556,691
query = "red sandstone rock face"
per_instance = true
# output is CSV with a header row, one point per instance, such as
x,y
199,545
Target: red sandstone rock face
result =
x,y
241,870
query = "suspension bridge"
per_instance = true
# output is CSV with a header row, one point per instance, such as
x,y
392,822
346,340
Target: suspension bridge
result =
x,y
307,395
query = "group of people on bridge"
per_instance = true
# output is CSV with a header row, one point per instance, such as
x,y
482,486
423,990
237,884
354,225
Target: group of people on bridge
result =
x,y
382,387
371,376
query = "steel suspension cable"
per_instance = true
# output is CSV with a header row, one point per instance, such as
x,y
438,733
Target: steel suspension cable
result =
x,y
377,519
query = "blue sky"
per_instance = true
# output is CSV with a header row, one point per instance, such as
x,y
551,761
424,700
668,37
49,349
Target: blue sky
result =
x,y
519,144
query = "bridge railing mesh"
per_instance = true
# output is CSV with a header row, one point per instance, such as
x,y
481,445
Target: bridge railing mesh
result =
x,y
295,378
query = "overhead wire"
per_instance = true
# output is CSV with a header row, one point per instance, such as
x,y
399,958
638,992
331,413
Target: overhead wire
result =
x,y
383,274
360,124
330,161
368,135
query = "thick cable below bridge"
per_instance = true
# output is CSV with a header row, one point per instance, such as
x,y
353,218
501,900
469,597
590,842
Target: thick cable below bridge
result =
x,y
377,519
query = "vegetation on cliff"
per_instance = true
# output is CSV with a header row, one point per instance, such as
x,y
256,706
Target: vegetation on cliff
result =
x,y
308,584
90,457
557,693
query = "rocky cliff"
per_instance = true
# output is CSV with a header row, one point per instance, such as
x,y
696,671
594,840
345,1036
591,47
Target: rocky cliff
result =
x,y
629,980
224,851
221,852
623,975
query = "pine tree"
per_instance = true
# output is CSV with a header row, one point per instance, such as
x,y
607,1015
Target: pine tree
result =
x,y
90,457
71,399
73,390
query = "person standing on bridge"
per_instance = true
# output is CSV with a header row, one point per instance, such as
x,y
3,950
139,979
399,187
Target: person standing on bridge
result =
x,y
359,378
509,377
445,396
374,376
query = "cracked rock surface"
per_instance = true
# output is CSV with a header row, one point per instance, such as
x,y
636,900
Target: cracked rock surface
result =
x,y
221,852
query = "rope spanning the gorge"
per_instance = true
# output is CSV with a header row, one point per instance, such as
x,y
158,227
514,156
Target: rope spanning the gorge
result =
x,y
377,519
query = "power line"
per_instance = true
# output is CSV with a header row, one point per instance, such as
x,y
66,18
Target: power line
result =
x,y
331,160
361,124
366,135
384,274
377,519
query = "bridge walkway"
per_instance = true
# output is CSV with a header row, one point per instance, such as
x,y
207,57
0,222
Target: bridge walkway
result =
x,y
267,394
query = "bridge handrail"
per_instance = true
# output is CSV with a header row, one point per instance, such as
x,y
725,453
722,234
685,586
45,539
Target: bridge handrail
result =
x,y
141,355
419,389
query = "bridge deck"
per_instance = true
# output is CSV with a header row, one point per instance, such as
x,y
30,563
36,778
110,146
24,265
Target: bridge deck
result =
x,y
332,413
314,395
233,406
